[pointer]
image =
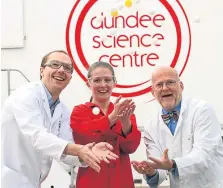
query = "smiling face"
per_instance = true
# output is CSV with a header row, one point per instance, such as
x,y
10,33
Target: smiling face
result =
x,y
56,79
101,83
170,94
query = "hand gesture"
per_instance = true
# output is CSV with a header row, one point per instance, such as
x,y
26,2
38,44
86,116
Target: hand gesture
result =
x,y
128,107
128,111
103,151
164,163
89,157
120,107
122,111
143,168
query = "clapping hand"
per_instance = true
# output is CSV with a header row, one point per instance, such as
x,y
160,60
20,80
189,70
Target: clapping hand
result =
x,y
121,108
128,111
122,111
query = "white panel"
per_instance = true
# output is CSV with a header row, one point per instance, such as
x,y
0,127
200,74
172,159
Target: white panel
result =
x,y
12,34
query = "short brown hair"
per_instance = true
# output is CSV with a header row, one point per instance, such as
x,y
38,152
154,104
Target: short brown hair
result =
x,y
44,59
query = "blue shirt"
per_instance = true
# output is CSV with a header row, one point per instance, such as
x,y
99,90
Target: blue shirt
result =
x,y
52,104
153,180
172,124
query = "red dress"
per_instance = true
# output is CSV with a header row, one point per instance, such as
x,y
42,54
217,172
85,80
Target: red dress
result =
x,y
89,126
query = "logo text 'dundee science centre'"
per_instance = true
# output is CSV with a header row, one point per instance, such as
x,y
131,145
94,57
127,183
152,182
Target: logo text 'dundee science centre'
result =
x,y
133,36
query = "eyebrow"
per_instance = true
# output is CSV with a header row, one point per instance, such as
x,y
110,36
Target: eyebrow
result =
x,y
61,62
101,76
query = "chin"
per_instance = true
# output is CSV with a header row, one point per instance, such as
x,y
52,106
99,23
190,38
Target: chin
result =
x,y
168,106
103,99
60,88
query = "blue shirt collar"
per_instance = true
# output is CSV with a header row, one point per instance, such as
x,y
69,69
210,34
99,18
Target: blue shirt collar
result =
x,y
49,97
177,108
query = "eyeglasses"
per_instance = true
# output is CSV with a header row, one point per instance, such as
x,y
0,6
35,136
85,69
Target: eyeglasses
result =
x,y
55,64
97,81
168,83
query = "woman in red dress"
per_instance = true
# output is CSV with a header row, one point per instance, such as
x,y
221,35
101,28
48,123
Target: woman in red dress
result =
x,y
103,121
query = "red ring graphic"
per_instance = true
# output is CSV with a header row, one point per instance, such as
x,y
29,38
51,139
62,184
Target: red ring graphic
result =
x,y
86,65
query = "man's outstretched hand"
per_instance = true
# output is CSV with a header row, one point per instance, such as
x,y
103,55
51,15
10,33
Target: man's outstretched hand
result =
x,y
143,168
103,151
164,163
87,156
91,154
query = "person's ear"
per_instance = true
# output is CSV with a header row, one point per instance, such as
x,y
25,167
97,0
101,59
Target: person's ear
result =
x,y
152,91
41,71
181,86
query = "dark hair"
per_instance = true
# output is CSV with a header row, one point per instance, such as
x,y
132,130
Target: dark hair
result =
x,y
45,58
103,65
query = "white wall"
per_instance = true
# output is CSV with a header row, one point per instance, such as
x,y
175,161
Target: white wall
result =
x,y
44,28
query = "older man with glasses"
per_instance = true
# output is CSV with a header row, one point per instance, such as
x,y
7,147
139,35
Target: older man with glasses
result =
x,y
183,139
36,128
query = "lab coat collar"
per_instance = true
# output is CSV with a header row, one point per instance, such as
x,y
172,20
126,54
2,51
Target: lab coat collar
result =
x,y
57,113
58,108
184,103
50,98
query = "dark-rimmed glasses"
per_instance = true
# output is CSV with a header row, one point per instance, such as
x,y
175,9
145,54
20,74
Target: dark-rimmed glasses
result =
x,y
55,64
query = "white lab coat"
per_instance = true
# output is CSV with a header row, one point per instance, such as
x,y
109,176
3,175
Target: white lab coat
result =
x,y
196,146
30,137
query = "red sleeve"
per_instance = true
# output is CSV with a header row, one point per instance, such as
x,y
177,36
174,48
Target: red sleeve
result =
x,y
129,143
83,124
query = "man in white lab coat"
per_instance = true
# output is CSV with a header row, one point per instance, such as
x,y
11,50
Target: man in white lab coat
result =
x,y
183,140
36,129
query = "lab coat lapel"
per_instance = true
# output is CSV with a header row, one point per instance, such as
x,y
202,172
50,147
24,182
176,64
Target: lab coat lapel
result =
x,y
45,101
176,149
164,127
180,119
166,136
57,113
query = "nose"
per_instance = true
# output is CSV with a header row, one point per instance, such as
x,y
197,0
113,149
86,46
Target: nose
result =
x,y
164,86
103,83
61,69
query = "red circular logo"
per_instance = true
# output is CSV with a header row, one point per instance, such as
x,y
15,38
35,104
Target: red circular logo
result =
x,y
133,38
